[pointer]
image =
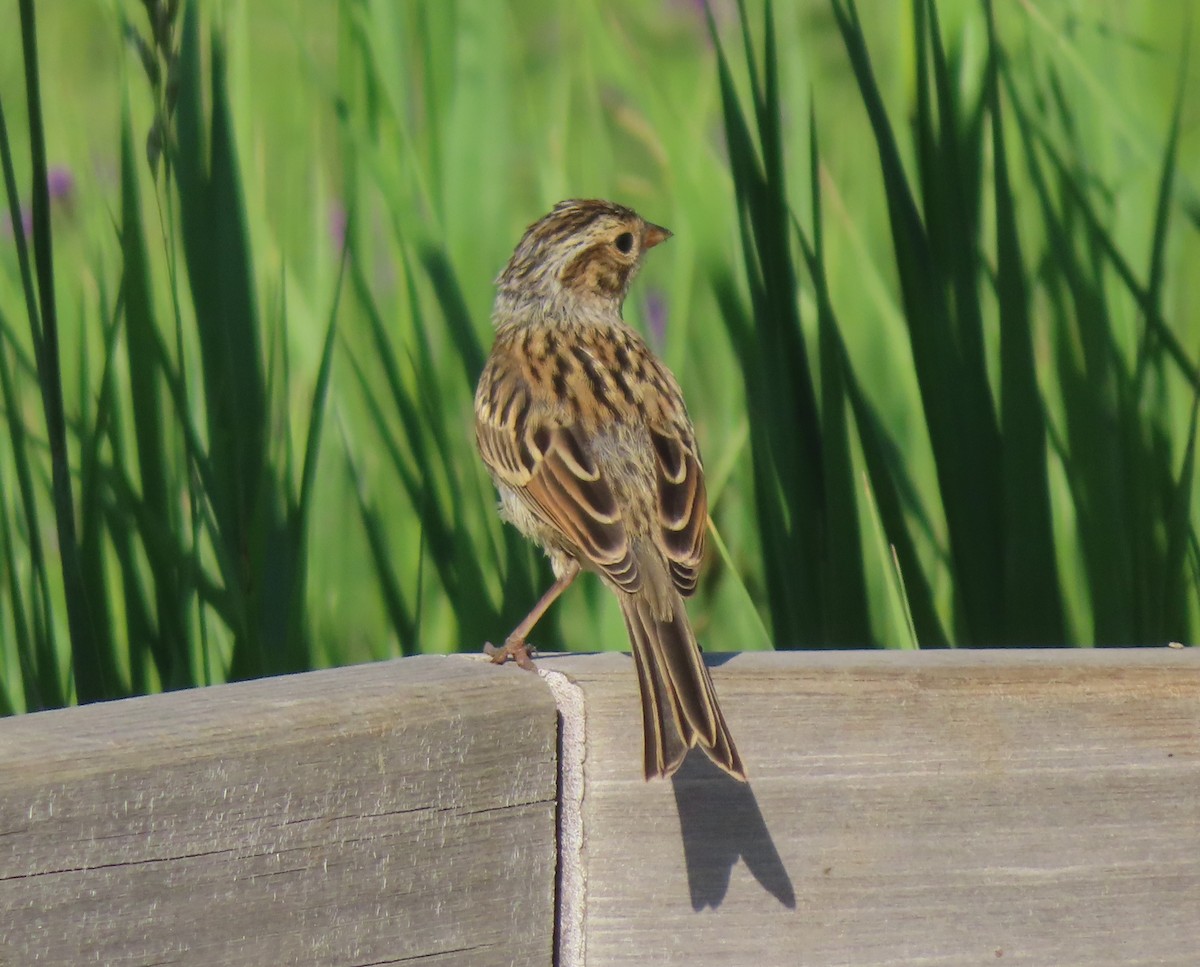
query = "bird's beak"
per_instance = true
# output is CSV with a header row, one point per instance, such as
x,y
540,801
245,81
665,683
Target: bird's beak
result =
x,y
654,234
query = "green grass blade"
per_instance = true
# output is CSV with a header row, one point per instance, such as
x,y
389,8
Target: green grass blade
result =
x,y
458,574
1118,456
903,632
30,652
1031,582
24,262
954,391
38,649
87,662
764,636
1162,212
168,641
1087,383
92,518
454,309
1083,208
957,198
217,250
320,402
843,574
1180,535
300,514
404,624
786,443
880,470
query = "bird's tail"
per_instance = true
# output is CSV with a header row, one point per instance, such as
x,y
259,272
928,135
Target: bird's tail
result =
x,y
679,706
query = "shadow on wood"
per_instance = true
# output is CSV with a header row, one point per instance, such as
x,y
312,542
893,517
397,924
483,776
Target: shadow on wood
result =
x,y
942,808
721,823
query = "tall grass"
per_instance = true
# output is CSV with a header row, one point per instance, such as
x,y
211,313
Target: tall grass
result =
x,y
42,315
970,294
191,563
926,297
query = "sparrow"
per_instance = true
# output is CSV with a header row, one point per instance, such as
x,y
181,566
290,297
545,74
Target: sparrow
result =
x,y
587,439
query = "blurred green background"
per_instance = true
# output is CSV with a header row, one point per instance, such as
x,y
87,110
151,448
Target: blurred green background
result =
x,y
944,384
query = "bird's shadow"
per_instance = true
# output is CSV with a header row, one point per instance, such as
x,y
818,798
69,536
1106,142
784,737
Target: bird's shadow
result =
x,y
720,821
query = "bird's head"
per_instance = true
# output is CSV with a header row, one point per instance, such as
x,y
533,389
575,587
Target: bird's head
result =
x,y
585,251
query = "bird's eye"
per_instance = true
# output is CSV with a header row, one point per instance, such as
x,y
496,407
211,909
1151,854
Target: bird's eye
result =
x,y
624,243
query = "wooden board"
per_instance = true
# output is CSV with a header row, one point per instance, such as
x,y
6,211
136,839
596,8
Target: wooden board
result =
x,y
365,815
949,808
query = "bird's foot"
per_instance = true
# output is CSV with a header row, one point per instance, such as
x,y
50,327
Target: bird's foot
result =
x,y
517,649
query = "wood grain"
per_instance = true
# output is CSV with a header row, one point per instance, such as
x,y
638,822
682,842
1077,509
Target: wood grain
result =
x,y
377,814
954,808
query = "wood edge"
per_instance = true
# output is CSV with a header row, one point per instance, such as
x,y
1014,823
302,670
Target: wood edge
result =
x,y
191,720
570,887
893,660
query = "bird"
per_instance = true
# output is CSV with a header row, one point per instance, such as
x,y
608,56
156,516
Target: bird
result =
x,y
586,436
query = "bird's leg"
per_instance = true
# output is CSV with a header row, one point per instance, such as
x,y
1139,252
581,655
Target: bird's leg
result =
x,y
515,646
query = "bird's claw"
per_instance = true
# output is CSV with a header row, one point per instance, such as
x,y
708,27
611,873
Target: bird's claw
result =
x,y
518,650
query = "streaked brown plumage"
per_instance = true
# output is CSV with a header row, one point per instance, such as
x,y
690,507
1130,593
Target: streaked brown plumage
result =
x,y
588,441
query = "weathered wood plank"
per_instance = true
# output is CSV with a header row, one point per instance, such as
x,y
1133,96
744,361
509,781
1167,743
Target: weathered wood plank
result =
x,y
365,815
955,808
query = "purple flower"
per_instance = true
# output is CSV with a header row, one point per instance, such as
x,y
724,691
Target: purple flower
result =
x,y
655,308
60,183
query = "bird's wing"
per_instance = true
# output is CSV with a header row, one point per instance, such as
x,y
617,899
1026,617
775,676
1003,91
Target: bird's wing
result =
x,y
546,462
682,501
